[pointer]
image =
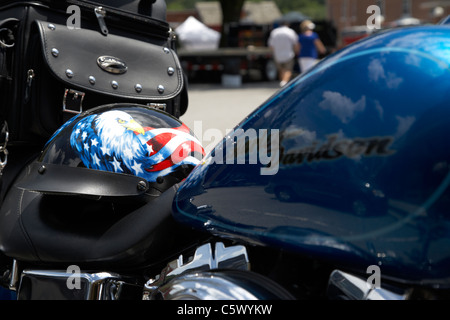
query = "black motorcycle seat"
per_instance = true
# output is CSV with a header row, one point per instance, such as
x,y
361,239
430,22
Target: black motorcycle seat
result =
x,y
64,229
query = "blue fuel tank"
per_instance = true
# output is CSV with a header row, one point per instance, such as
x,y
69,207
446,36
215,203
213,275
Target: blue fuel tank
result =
x,y
350,163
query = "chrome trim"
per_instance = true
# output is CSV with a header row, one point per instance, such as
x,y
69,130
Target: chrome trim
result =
x,y
100,13
160,106
3,144
345,286
204,286
3,44
112,64
69,73
3,160
14,280
204,259
161,89
98,286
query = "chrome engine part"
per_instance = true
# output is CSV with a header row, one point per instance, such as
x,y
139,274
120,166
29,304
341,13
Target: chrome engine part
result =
x,y
204,259
213,274
345,286
67,285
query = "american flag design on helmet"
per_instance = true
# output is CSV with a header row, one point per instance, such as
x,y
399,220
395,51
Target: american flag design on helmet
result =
x,y
114,141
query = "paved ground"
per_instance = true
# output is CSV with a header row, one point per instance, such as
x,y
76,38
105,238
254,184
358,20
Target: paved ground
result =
x,y
213,106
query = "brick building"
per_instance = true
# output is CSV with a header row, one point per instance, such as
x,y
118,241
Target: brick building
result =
x,y
352,14
210,13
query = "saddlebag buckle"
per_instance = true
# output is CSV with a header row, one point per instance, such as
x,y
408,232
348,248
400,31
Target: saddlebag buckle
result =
x,y
160,106
73,101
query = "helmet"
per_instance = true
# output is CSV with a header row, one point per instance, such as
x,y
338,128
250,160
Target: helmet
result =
x,y
103,187
129,141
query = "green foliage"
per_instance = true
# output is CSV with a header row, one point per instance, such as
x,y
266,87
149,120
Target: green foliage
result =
x,y
312,8
181,4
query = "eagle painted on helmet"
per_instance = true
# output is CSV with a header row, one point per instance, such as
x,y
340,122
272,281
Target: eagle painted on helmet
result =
x,y
113,141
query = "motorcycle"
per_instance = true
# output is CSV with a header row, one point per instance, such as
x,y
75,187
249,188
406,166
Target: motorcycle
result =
x,y
335,188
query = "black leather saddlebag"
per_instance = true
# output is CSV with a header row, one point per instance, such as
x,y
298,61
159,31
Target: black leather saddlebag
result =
x,y
52,69
59,58
80,69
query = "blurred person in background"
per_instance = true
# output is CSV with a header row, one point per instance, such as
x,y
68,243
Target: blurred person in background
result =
x,y
310,46
285,47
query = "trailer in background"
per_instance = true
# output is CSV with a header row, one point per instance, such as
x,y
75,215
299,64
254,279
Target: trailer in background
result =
x,y
246,56
250,63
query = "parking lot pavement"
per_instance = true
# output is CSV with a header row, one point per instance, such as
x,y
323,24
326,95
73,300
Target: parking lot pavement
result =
x,y
214,108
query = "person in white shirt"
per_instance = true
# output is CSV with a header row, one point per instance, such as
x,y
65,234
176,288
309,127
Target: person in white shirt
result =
x,y
285,47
